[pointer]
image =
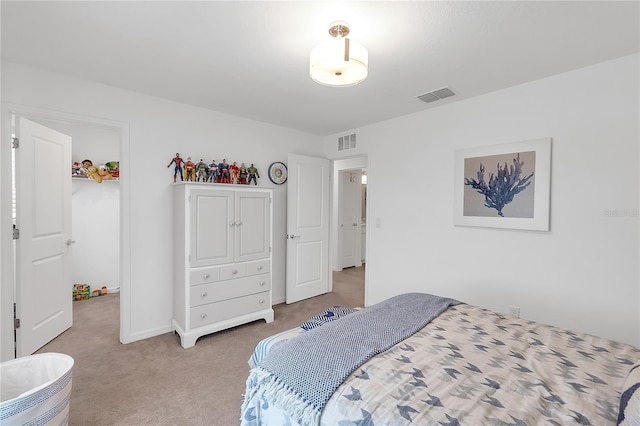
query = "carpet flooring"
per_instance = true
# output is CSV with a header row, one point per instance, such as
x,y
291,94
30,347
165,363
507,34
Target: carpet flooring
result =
x,y
157,382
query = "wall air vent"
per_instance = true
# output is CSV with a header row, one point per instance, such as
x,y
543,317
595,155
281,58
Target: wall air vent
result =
x,y
436,95
347,142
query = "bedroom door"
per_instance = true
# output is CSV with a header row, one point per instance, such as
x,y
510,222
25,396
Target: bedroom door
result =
x,y
43,218
350,217
307,227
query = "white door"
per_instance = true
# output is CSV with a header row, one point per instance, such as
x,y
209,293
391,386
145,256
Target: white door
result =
x,y
350,212
307,227
43,253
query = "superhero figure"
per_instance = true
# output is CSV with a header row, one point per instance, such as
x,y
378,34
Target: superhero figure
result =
x,y
178,168
190,170
235,172
223,172
243,174
253,173
213,171
201,171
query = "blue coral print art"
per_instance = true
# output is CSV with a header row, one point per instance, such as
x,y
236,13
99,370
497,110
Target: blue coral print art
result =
x,y
500,185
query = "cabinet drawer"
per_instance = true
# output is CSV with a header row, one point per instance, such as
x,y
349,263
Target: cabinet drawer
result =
x,y
220,311
236,270
228,272
223,290
258,267
205,275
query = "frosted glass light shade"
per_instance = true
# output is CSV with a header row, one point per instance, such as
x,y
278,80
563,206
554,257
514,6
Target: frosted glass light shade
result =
x,y
328,66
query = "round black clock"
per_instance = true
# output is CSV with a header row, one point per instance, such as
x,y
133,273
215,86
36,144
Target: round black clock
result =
x,y
278,173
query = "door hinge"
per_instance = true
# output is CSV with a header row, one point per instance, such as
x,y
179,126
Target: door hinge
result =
x,y
16,233
16,321
15,143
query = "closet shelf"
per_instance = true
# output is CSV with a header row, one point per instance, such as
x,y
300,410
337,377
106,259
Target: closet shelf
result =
x,y
82,178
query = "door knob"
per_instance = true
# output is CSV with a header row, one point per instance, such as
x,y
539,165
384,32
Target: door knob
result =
x,y
70,241
293,237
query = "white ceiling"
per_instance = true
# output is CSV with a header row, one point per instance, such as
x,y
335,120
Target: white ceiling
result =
x,y
251,58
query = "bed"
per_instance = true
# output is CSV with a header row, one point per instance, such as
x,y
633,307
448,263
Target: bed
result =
x,y
460,365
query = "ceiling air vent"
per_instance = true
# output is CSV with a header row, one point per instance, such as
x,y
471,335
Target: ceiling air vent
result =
x,y
436,95
347,142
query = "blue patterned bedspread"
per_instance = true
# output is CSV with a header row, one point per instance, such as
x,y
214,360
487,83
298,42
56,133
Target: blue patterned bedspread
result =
x,y
298,376
473,366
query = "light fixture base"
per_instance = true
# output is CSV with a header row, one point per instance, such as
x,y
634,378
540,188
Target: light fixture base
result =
x,y
339,29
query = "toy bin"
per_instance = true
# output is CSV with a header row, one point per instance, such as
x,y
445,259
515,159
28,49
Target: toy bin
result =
x,y
35,390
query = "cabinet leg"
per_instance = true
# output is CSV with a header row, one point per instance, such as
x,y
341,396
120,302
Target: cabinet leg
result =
x,y
188,341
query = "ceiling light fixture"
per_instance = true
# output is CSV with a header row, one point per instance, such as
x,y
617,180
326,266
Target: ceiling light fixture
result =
x,y
339,61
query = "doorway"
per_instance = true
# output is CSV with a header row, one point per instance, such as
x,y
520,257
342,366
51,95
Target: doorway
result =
x,y
95,207
348,173
96,213
352,215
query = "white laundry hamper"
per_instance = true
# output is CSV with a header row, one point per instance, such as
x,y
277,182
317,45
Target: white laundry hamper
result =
x,y
35,390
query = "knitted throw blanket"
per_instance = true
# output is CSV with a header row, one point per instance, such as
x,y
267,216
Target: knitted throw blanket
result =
x,y
301,375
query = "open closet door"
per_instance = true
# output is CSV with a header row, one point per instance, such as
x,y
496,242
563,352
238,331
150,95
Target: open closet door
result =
x,y
43,260
307,227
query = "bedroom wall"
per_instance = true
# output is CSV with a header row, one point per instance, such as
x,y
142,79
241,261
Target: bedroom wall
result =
x,y
157,129
583,273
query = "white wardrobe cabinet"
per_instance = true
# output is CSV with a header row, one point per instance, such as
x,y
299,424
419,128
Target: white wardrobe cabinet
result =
x,y
222,270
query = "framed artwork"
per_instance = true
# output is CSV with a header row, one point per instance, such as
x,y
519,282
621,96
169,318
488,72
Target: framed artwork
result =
x,y
278,173
504,186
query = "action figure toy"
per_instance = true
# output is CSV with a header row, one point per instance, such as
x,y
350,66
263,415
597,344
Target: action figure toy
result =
x,y
190,170
243,174
178,167
223,172
213,171
253,173
201,171
235,172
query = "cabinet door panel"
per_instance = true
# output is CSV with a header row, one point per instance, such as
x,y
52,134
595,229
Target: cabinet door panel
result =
x,y
213,224
253,226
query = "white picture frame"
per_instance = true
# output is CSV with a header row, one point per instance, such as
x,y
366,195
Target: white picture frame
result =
x,y
504,186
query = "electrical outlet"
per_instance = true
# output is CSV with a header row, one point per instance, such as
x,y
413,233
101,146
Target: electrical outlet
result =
x,y
514,311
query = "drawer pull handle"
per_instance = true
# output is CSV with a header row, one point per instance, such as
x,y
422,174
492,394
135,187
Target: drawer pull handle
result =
x,y
235,271
261,301
205,276
260,268
203,316
262,283
203,294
